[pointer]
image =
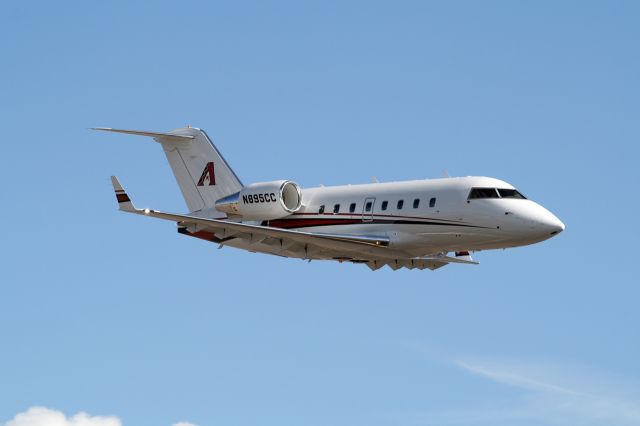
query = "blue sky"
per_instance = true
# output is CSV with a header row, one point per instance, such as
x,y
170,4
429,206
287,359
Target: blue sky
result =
x,y
123,319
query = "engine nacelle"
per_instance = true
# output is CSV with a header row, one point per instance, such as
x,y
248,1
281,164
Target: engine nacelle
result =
x,y
263,201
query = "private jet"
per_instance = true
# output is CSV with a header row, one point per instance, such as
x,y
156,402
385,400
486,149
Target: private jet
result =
x,y
419,224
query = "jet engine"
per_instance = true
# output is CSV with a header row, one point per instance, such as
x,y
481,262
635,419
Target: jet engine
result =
x,y
263,201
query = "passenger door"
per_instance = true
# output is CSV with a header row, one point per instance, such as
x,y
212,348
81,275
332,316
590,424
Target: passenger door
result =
x,y
367,209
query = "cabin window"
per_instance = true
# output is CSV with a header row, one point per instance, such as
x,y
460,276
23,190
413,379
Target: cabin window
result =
x,y
432,202
477,193
416,203
367,207
400,204
336,208
511,193
384,205
321,209
352,208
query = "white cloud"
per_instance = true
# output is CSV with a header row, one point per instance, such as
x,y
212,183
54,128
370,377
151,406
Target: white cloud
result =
x,y
561,393
506,375
41,416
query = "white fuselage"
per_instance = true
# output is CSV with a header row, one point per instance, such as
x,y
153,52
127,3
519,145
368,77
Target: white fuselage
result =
x,y
443,219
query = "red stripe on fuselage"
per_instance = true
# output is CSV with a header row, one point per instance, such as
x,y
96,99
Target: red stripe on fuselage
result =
x,y
367,215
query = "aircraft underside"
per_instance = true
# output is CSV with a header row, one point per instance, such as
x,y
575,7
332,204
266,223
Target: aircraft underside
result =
x,y
428,251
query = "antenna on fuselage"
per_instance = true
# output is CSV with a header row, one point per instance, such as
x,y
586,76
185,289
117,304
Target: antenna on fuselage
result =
x,y
445,174
374,179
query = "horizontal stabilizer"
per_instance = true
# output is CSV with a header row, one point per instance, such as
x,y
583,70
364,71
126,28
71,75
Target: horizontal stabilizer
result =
x,y
141,133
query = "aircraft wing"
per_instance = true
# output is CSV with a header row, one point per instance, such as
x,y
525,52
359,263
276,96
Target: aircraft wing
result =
x,y
374,251
360,245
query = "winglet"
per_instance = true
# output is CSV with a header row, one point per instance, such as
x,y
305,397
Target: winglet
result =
x,y
124,202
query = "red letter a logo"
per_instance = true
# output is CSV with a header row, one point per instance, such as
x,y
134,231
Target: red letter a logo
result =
x,y
208,173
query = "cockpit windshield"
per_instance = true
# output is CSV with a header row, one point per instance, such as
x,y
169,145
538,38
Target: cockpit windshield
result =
x,y
511,193
478,193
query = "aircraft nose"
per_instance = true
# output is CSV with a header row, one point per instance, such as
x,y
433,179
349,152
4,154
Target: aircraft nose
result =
x,y
553,225
537,223
546,222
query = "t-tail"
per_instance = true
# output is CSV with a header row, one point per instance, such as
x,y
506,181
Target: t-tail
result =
x,y
200,170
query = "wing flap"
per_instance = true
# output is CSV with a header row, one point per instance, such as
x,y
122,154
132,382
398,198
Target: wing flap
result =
x,y
448,259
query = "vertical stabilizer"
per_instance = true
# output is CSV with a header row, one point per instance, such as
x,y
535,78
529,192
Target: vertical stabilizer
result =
x,y
202,173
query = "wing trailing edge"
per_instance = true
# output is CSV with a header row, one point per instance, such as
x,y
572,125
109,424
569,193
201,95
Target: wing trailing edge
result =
x,y
246,231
